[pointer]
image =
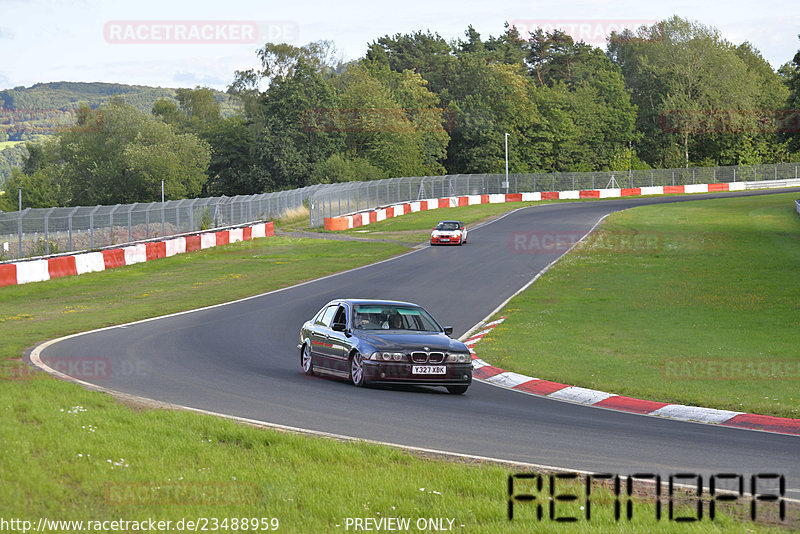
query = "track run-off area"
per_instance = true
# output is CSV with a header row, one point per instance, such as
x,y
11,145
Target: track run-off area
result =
x,y
240,359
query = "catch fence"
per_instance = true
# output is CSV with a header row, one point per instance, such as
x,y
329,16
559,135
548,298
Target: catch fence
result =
x,y
341,199
43,231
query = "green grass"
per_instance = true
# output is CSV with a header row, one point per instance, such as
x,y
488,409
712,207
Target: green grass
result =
x,y
658,294
73,454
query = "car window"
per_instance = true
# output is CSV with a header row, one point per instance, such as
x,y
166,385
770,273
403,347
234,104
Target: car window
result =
x,y
447,226
393,317
327,317
318,317
341,315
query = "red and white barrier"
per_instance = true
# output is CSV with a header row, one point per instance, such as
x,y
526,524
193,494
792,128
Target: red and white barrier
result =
x,y
40,270
591,397
347,222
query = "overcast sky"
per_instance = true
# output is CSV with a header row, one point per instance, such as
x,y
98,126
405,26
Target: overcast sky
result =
x,y
188,43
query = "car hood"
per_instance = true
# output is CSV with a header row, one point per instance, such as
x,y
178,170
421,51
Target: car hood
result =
x,y
412,341
446,232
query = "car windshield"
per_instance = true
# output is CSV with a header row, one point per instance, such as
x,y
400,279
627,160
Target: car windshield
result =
x,y
447,225
393,317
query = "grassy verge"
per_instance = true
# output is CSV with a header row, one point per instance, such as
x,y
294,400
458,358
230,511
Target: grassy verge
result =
x,y
72,454
689,303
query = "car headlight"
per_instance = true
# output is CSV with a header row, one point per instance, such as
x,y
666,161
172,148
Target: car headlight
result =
x,y
459,357
388,356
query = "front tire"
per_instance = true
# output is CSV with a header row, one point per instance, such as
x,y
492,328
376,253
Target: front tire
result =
x,y
457,390
305,360
357,370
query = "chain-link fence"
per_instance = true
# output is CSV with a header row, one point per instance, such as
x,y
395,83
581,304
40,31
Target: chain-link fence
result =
x,y
341,199
43,231
38,232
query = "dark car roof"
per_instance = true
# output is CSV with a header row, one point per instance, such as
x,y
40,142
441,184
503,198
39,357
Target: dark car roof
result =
x,y
374,301
450,221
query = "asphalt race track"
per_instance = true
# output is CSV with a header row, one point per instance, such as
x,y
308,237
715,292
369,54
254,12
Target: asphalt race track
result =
x,y
241,359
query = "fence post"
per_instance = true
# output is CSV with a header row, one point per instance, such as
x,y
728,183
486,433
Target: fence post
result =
x,y
69,217
130,221
111,223
19,224
46,233
91,227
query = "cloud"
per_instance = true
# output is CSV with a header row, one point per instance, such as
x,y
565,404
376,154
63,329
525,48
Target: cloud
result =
x,y
6,33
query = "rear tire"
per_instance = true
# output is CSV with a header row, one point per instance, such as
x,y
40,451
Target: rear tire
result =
x,y
357,370
305,360
457,390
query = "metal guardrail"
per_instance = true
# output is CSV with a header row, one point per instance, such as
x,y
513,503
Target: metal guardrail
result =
x,y
340,199
44,231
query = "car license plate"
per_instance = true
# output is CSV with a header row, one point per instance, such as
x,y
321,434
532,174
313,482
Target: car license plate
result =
x,y
429,370
445,239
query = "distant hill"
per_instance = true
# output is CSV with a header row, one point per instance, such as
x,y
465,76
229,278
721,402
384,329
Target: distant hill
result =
x,y
42,108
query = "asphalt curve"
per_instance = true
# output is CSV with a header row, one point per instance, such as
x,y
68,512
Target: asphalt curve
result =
x,y
241,359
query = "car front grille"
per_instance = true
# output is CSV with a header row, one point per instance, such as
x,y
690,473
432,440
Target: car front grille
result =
x,y
427,357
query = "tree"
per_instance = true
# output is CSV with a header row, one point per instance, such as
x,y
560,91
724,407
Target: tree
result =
x,y
289,141
791,127
116,154
488,100
698,95
391,119
231,139
230,170
425,53
38,191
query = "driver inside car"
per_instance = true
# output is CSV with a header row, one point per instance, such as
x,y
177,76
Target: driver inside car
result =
x,y
395,322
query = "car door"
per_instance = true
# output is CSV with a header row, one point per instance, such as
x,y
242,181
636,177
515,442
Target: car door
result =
x,y
320,341
339,342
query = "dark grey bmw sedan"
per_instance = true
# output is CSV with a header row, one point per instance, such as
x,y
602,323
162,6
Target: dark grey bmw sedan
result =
x,y
383,342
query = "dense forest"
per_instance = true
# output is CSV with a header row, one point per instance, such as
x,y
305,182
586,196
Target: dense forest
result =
x,y
674,94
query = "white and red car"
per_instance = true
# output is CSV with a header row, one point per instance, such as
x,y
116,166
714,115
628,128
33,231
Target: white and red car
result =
x,y
449,233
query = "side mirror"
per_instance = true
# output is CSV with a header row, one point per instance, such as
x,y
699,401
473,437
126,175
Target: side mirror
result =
x,y
448,330
339,327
